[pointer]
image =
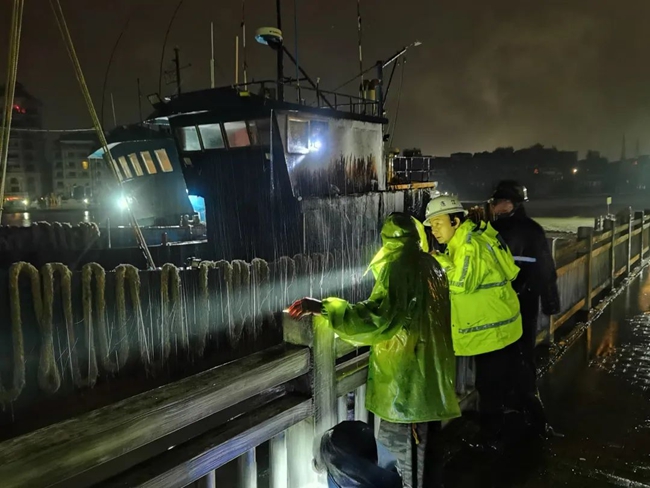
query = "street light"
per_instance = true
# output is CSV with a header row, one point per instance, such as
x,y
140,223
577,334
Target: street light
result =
x,y
575,170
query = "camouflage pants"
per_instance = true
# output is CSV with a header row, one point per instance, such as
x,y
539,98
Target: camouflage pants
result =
x,y
402,439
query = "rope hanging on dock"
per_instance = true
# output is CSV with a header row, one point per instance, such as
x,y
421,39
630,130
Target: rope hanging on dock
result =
x,y
203,325
65,276
15,271
123,273
241,287
261,294
87,272
171,323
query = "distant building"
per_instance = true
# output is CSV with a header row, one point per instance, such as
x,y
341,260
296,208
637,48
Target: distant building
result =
x,y
27,171
74,176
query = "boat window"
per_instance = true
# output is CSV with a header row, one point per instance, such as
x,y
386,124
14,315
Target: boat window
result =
x,y
298,136
212,136
188,138
163,159
260,130
148,162
237,133
125,167
136,164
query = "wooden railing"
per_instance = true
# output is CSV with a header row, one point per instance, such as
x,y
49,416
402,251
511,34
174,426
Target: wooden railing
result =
x,y
271,406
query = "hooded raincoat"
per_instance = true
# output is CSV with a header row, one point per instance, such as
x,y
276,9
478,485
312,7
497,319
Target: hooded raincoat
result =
x,y
406,320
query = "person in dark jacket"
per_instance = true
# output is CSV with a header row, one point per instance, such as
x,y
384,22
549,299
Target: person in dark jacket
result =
x,y
536,280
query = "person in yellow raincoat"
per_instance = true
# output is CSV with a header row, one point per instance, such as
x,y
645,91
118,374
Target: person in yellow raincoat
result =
x,y
485,315
406,320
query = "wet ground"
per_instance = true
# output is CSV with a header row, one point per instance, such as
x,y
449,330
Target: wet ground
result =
x,y
597,395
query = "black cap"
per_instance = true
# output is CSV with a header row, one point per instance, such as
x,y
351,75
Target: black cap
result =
x,y
510,190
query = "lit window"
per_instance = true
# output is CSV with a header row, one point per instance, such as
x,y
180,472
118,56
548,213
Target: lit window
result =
x,y
188,138
148,162
298,136
163,159
125,167
84,165
211,136
136,164
237,133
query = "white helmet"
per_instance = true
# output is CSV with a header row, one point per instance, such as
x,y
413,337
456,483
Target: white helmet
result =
x,y
443,205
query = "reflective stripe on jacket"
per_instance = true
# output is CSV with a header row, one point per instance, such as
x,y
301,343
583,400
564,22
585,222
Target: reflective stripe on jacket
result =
x,y
484,307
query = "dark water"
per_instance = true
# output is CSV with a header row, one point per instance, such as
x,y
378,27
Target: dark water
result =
x,y
598,396
100,216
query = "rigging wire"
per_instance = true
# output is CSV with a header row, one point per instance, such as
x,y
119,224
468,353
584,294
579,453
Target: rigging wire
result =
x,y
399,99
10,90
110,62
65,33
162,54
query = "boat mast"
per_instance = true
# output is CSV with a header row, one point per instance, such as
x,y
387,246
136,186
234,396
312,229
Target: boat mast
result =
x,y
280,54
212,56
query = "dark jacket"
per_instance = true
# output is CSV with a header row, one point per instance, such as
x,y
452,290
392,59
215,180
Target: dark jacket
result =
x,y
527,242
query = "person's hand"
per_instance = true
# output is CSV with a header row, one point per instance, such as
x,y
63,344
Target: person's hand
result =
x,y
305,306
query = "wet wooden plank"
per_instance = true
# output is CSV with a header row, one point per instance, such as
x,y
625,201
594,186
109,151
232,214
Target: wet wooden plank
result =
x,y
189,462
63,450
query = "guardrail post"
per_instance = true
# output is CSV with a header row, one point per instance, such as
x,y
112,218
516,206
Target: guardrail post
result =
x,y
630,229
610,225
551,320
316,334
640,216
247,464
360,412
587,233
208,481
278,461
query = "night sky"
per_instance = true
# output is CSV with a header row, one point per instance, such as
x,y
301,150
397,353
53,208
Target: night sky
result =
x,y
573,74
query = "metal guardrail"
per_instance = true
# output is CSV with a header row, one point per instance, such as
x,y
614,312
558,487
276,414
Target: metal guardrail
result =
x,y
283,398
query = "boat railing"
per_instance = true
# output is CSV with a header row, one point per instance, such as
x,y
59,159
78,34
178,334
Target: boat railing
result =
x,y
302,93
274,405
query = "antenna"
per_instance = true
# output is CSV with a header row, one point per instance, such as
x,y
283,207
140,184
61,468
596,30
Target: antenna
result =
x,y
295,33
176,71
236,60
280,53
360,37
243,37
212,55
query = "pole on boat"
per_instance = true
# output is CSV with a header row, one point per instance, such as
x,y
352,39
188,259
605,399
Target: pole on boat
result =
x,y
236,60
295,34
359,35
243,43
280,53
212,56
177,63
